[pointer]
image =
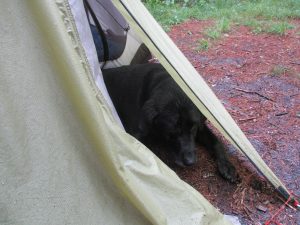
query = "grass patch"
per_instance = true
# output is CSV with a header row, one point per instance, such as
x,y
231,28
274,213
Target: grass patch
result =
x,y
212,33
279,70
256,26
279,28
263,15
204,45
263,26
221,26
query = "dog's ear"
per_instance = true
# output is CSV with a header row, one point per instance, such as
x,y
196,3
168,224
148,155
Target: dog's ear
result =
x,y
147,116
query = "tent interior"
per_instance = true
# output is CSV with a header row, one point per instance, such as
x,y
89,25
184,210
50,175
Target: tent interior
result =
x,y
65,156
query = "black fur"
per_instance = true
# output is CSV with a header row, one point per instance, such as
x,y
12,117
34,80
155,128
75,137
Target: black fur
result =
x,y
152,106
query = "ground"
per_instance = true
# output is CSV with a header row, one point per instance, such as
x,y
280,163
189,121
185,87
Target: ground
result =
x,y
257,78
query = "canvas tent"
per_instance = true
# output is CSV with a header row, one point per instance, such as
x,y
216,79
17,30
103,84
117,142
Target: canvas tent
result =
x,y
64,156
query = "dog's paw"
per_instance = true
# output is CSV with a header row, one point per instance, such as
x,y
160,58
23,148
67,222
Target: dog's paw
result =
x,y
228,171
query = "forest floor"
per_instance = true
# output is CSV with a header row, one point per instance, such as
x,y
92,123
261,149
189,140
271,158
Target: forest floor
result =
x,y
257,78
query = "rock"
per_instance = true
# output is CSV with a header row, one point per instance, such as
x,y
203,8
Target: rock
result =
x,y
262,208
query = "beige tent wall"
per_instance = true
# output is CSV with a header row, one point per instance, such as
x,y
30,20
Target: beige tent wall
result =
x,y
63,158
86,39
49,173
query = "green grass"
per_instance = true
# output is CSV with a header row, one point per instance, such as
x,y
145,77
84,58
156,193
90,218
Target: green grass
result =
x,y
279,70
265,26
222,26
204,45
261,15
279,28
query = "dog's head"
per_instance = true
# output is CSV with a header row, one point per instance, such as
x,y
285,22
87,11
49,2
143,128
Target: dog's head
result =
x,y
175,120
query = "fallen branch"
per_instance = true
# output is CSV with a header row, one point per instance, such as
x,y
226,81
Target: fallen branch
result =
x,y
243,196
248,212
254,92
281,114
246,119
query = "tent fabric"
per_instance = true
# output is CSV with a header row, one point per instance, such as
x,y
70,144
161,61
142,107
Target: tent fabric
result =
x,y
63,157
115,40
49,172
86,39
113,22
192,84
109,16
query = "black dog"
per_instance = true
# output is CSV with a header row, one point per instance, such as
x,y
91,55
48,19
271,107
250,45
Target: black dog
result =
x,y
152,106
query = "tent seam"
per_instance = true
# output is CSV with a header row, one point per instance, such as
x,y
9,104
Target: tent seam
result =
x,y
74,35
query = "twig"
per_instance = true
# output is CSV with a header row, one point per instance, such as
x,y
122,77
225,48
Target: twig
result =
x,y
295,63
248,213
249,210
246,119
288,205
261,73
239,186
254,92
293,95
243,196
281,114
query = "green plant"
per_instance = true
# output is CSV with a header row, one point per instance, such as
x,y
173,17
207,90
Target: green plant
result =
x,y
203,45
259,26
221,26
213,33
264,12
255,25
279,70
279,28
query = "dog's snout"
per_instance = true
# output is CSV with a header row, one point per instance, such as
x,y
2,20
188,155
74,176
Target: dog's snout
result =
x,y
189,158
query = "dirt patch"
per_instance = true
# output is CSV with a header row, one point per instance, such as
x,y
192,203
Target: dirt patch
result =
x,y
257,79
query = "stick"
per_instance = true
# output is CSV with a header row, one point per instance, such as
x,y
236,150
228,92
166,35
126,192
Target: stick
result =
x,y
254,92
246,119
281,114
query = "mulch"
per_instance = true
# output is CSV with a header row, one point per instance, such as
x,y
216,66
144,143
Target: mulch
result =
x,y
257,78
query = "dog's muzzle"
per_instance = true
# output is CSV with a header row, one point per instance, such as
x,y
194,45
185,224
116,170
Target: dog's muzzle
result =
x,y
185,152
186,159
189,158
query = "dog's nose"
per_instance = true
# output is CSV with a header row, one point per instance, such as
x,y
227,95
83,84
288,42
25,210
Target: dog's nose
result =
x,y
189,158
